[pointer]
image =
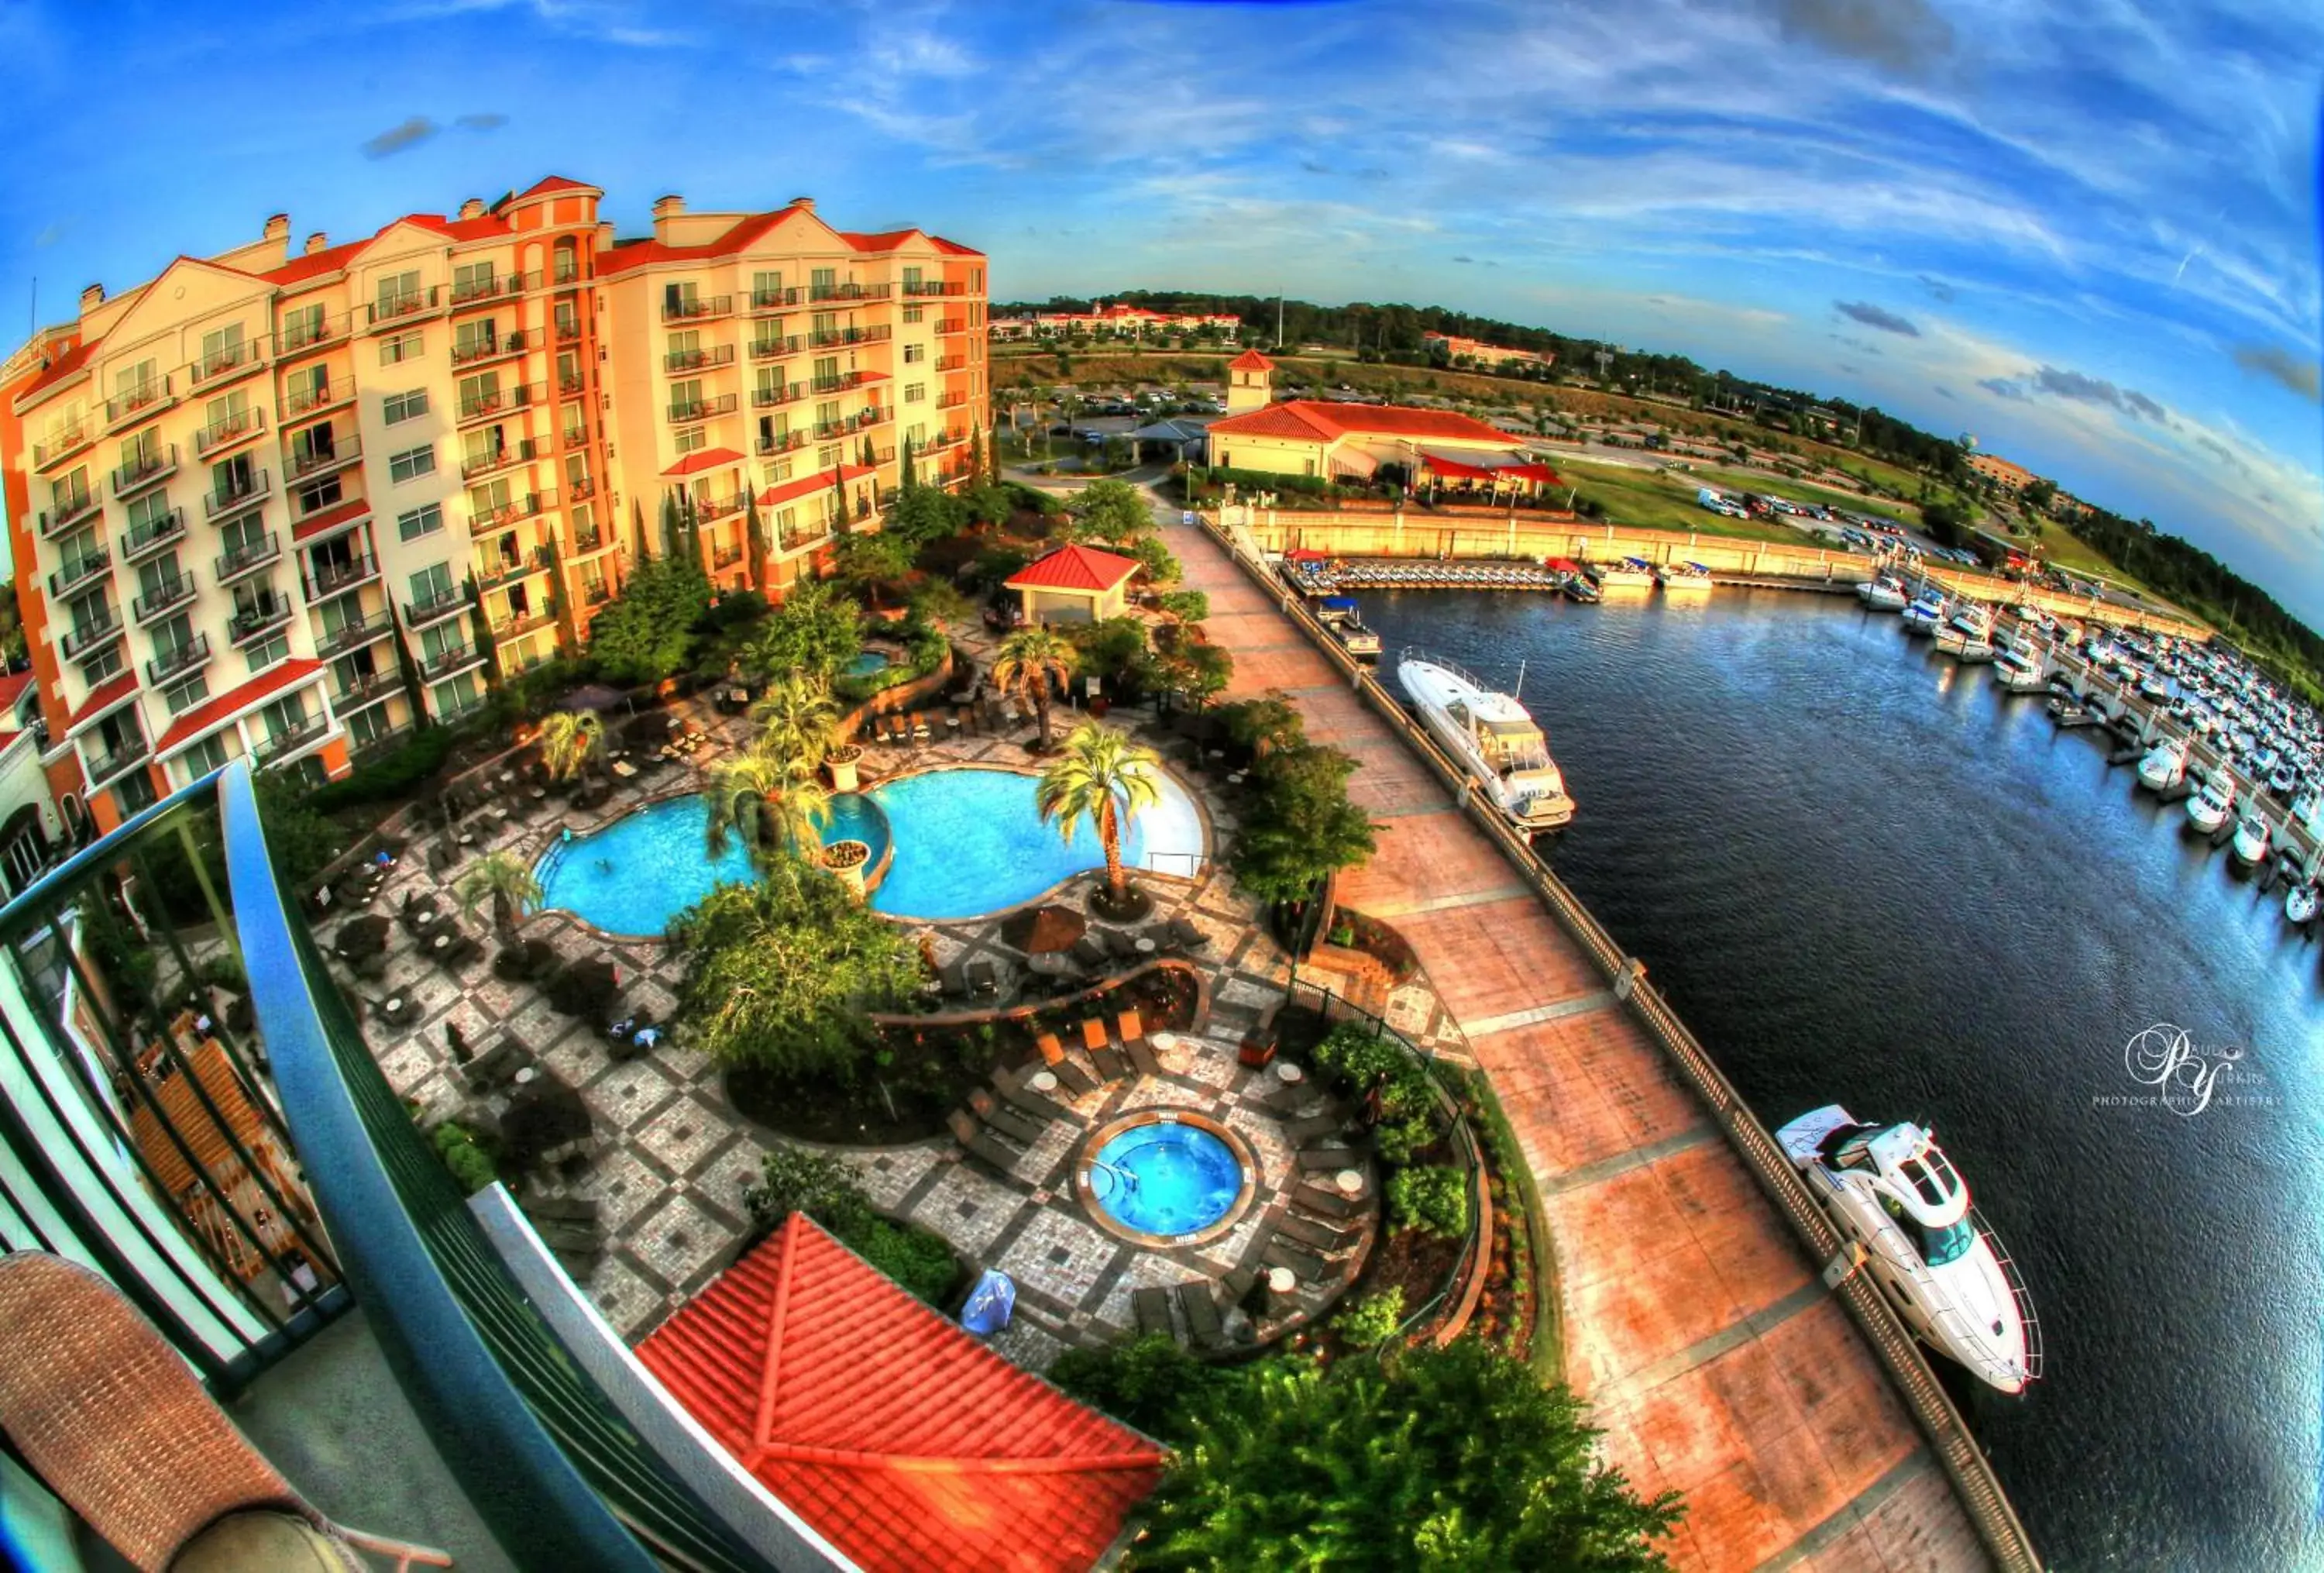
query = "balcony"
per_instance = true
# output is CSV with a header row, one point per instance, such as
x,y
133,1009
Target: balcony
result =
x,y
124,755
798,541
849,291
139,403
301,335
927,287
564,271
698,311
253,624
951,325
702,409
776,349
711,510
163,599
329,576
144,470
448,602
223,501
396,309
342,451
517,624
177,660
67,509
952,401
309,400
571,383
79,571
62,445
848,426
775,299
523,451
823,337
588,543
364,691
450,662
284,741
501,570
568,332
249,557
489,521
775,397
497,288
229,432
694,360
950,363
580,488
782,443
85,639
226,365
479,351
723,558
480,406
354,635
150,537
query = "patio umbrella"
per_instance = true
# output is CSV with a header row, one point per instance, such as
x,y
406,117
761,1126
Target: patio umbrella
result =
x,y
1044,930
596,697
363,936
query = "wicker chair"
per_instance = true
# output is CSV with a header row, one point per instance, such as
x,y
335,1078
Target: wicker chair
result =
x,y
108,1414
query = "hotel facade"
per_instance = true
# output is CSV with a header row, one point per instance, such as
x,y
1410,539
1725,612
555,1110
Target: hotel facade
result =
x,y
282,502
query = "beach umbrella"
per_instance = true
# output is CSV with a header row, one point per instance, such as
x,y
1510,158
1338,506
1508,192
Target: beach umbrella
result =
x,y
363,936
1044,930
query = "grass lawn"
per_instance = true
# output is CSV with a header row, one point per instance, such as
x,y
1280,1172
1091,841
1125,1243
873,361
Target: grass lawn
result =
x,y
1802,491
1662,502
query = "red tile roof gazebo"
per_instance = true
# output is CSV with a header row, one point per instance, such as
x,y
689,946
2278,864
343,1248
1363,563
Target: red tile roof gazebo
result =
x,y
1075,584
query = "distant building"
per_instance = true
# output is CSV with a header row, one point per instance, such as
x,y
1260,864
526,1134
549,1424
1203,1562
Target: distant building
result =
x,y
2001,472
1114,322
1457,351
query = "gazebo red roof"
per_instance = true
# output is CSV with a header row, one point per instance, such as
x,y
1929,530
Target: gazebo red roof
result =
x,y
1250,360
1075,568
898,1438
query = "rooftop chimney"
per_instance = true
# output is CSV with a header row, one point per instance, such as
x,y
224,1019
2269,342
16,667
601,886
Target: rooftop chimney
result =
x,y
474,208
91,298
669,206
278,227
316,243
805,204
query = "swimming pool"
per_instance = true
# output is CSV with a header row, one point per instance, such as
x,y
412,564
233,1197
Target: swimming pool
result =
x,y
969,841
866,662
1173,1175
638,872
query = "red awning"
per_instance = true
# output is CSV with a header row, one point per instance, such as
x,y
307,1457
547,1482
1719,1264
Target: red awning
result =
x,y
701,459
1302,554
1539,474
1453,469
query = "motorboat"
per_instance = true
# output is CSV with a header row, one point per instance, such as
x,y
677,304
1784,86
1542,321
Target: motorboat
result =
x,y
1962,645
1682,579
2209,809
1973,618
1632,573
1927,611
1574,581
2164,767
1493,739
1883,593
1332,609
1357,640
2017,670
1891,1191
2299,903
2250,843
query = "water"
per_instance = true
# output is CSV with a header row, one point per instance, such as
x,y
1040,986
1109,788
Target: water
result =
x,y
1864,877
971,841
1165,1179
866,662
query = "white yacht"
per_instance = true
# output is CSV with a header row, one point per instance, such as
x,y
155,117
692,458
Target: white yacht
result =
x,y
1963,644
2299,903
2164,767
1883,593
1493,739
2017,668
2209,809
1973,618
2252,839
1927,611
1891,1190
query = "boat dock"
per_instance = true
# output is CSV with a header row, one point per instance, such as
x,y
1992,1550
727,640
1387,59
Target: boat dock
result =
x,y
1710,1316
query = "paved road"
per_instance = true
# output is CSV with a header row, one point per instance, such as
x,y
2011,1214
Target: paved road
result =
x,y
1707,1346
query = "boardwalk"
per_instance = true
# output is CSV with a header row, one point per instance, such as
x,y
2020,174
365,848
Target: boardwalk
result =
x,y
1705,1343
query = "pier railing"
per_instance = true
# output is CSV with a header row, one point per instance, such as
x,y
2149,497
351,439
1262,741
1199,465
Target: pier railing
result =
x,y
1978,1487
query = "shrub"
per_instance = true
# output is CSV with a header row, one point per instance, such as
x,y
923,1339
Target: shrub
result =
x,y
1186,605
1150,1382
1433,1200
915,1258
826,1190
391,775
1372,1321
472,1165
1364,1061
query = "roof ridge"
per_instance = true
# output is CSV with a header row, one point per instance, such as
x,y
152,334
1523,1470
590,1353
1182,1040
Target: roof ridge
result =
x,y
917,1463
786,1253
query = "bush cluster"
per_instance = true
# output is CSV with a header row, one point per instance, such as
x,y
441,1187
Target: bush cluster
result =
x,y
1361,1062
1433,1198
826,1190
472,1164
391,776
1372,1321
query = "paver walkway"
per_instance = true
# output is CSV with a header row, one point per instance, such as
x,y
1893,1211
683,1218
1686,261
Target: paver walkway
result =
x,y
1705,1343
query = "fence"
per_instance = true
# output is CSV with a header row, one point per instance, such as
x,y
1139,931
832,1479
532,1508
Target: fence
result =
x,y
1964,1463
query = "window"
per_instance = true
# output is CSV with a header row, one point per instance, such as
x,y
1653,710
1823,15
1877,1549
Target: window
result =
x,y
685,349
367,726
917,436
786,526
827,457
411,464
204,757
568,372
781,471
404,406
399,292
456,698
475,338
181,697
147,513
689,438
911,279
267,651
141,453
156,581
470,279
134,384
228,415
222,348
915,353
480,394
399,347
316,495
420,522
575,428
302,325
914,391
824,278
444,642
134,795
685,397
766,289
233,478
914,313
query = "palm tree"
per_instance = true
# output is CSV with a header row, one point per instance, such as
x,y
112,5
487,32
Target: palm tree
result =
x,y
506,881
799,721
568,738
757,799
1030,659
1103,777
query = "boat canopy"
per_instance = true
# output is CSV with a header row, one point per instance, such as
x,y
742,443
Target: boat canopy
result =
x,y
1302,554
1339,603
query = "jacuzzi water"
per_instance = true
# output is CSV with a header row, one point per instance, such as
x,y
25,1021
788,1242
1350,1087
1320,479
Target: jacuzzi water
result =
x,y
1166,1178
969,841
868,661
638,872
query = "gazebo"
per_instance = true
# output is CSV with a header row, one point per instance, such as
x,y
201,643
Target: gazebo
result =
x,y
1075,584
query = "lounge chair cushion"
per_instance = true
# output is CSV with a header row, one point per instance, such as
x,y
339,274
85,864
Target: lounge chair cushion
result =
x,y
261,1541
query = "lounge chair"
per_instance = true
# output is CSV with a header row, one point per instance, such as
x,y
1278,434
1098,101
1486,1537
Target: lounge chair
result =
x,y
1053,1055
1133,1032
1110,1064
1090,951
1202,1313
1014,1124
497,1066
1152,1309
953,977
1330,1204
980,1143
1325,1238
1306,1130
1280,1252
1039,1105
1187,933
1314,1159
1120,944
983,978
920,726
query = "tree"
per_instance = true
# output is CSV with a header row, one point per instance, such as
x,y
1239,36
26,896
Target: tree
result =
x,y
903,479
1196,672
2039,493
506,881
1161,567
567,737
760,800
1264,725
975,454
1301,828
872,562
921,515
1028,662
1432,1459
645,634
1103,777
1150,1382
813,634
799,721
778,973
1111,511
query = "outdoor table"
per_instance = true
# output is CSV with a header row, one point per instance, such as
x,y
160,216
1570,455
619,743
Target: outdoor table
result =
x,y
1349,1180
539,793
442,941
1042,1081
424,922
393,1005
527,1073
1280,1280
467,839
1144,945
624,768
1285,1071
1235,778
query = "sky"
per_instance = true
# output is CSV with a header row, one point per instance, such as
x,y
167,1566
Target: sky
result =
x,y
2086,234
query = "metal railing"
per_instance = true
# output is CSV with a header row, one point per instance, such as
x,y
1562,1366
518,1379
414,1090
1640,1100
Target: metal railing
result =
x,y
702,409
158,530
229,429
353,635
403,306
79,571
171,592
147,399
309,460
698,310
67,509
83,638
259,549
316,396
223,499
144,470
705,359
179,659
490,346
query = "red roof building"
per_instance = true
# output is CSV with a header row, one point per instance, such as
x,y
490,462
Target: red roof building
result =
x,y
1250,360
898,1438
1075,568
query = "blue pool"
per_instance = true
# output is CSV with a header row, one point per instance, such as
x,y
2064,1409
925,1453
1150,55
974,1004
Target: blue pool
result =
x,y
638,872
866,662
1166,1178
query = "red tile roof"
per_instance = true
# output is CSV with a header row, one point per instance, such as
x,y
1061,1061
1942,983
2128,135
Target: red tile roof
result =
x,y
954,246
808,485
12,688
886,240
901,1440
329,260
1250,360
636,253
1319,421
105,696
329,521
210,716
1075,568
63,366
700,459
548,183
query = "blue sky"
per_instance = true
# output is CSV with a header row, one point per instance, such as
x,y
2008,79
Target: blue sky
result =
x,y
2087,234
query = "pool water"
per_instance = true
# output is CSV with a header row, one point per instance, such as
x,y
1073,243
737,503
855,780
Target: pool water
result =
x,y
638,872
868,661
971,841
1166,1178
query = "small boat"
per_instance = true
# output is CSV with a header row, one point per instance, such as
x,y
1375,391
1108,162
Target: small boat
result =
x,y
2017,670
1355,638
1963,646
1924,616
2164,767
1331,610
1883,593
2209,809
1632,573
2250,843
1973,619
1685,579
1573,581
1892,1190
2299,903
1493,739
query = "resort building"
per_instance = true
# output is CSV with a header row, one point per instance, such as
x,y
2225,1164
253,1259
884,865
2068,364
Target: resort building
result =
x,y
1331,441
1075,584
2012,477
1453,350
282,504
1115,321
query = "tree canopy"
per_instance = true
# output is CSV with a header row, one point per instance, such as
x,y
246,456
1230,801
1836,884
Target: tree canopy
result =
x,y
813,634
917,515
644,636
1301,826
1112,513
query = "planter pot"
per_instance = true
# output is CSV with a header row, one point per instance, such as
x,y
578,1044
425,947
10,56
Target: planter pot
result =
x,y
841,763
848,860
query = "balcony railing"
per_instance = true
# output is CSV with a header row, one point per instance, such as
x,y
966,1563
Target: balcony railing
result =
x,y
568,332
499,287
302,333
177,660
698,311
702,409
223,365
586,541
823,338
771,398
932,287
775,299
316,396
952,401
139,403
531,505
725,556
848,291
163,599
848,426
565,271
951,362
950,325
517,624
391,310
354,635
523,451
290,739
119,761
782,443
255,623
228,430
477,406
86,637
152,534
331,575
837,382
67,509
364,691
223,501
708,358
580,488
487,348
710,510
571,383
144,470
453,658
344,450
251,554
421,613
79,571
62,445
776,349
498,570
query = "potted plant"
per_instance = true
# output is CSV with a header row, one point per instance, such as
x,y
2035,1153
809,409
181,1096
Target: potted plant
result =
x,y
848,860
841,761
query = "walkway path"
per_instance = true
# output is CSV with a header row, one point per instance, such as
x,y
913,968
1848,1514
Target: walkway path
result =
x,y
1706,1345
